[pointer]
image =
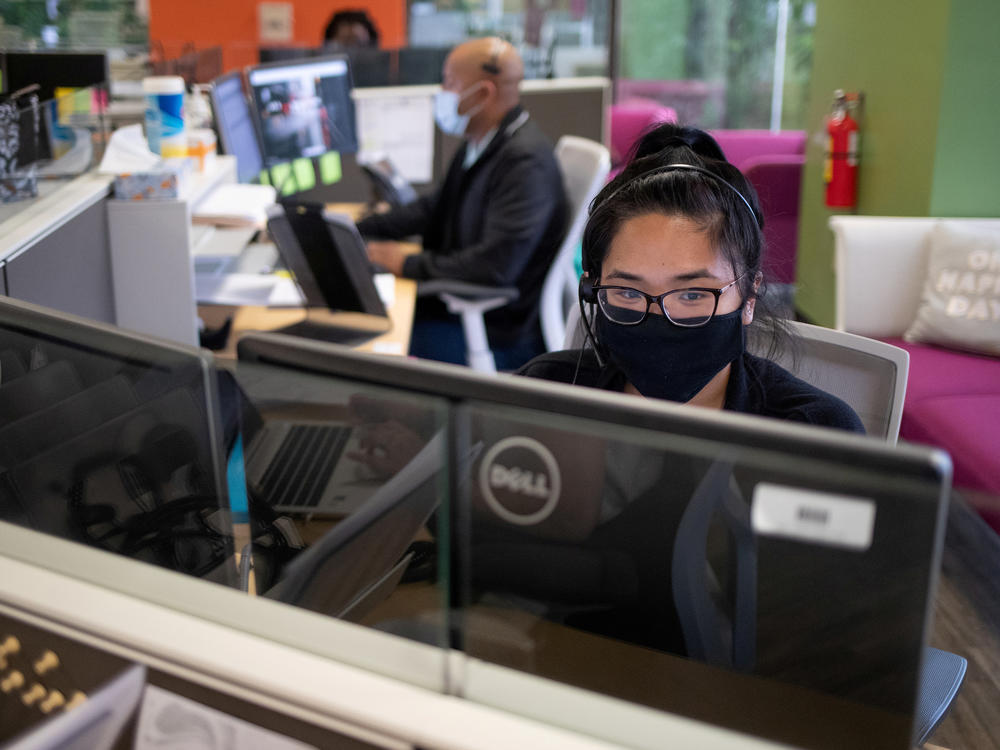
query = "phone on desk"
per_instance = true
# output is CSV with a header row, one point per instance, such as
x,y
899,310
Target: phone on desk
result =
x,y
388,185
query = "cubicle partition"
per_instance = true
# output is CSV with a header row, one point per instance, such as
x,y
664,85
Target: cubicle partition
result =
x,y
587,561
548,102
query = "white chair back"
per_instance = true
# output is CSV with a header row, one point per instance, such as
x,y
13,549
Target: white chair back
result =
x,y
584,165
869,375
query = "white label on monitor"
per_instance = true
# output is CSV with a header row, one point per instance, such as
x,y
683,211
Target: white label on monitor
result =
x,y
814,517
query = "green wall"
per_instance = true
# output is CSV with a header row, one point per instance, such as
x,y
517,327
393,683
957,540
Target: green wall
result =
x,y
894,51
967,163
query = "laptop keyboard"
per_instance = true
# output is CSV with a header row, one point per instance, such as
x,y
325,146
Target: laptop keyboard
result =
x,y
302,467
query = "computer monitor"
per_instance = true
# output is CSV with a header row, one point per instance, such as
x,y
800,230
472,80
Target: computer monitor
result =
x,y
235,125
284,54
371,67
327,257
52,70
421,65
773,578
114,440
303,108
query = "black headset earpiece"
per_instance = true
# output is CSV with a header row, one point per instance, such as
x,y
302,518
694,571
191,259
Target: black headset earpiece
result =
x,y
492,66
586,292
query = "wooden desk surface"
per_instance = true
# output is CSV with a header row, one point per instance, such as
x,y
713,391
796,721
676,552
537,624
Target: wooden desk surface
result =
x,y
395,340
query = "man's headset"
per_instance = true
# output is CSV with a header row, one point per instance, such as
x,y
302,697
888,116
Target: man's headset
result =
x,y
492,66
586,293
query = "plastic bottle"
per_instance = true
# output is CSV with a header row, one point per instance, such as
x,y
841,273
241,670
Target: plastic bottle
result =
x,y
165,115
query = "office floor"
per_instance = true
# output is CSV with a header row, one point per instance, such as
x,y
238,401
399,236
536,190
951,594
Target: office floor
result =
x,y
967,622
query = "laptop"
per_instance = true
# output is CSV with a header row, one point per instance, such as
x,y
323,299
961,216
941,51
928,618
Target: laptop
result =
x,y
302,436
327,259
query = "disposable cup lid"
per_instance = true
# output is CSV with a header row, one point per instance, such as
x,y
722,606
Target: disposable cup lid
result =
x,y
163,85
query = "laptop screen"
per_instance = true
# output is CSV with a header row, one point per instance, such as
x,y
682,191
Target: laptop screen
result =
x,y
237,132
327,257
768,577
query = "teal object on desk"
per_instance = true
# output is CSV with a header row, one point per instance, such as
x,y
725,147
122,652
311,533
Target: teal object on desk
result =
x,y
236,481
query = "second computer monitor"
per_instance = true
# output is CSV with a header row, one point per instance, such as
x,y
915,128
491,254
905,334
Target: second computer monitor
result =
x,y
303,108
234,123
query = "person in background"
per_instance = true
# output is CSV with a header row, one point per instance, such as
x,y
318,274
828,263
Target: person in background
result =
x,y
672,256
496,219
350,28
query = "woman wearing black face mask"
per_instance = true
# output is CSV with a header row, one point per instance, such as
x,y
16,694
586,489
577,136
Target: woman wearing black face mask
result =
x,y
672,277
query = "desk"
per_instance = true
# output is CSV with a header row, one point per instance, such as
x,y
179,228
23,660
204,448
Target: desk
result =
x,y
395,340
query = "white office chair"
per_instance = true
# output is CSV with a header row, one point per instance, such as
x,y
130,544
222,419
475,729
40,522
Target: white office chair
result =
x,y
584,165
869,375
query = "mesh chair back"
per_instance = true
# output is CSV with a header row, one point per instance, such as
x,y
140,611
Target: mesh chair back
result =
x,y
869,375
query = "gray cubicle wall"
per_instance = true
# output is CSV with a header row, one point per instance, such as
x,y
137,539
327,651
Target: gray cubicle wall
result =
x,y
68,269
558,107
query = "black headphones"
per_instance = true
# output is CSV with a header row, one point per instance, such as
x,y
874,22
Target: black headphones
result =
x,y
492,66
586,292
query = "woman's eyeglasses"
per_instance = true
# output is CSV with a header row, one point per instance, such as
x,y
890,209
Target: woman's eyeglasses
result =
x,y
692,307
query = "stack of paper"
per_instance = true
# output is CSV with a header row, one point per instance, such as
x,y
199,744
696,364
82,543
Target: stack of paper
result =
x,y
235,206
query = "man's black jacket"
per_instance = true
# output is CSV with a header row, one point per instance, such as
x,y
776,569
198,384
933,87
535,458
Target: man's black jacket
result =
x,y
498,223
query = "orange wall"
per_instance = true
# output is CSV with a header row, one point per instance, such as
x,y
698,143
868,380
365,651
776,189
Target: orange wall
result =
x,y
232,24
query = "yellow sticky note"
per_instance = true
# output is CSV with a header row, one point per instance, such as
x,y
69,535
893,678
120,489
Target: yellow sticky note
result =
x,y
329,167
305,175
282,178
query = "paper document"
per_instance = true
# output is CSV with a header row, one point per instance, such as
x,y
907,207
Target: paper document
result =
x,y
247,289
168,720
235,205
400,126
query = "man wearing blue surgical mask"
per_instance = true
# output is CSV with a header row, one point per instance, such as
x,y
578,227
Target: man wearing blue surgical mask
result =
x,y
496,219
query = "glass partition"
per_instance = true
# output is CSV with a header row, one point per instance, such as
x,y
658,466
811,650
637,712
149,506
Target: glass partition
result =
x,y
774,590
347,486
299,489
555,40
98,23
718,65
49,142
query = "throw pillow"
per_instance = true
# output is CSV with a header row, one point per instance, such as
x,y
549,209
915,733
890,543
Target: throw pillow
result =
x,y
960,307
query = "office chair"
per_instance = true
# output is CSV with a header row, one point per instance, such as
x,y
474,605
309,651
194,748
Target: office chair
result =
x,y
869,375
584,165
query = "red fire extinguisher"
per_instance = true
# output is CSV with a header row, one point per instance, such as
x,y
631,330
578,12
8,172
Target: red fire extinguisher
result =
x,y
841,166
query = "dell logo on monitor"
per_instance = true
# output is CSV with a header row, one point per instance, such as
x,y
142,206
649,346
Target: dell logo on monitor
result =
x,y
516,479
519,480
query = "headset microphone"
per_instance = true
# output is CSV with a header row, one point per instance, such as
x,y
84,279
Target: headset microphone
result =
x,y
587,294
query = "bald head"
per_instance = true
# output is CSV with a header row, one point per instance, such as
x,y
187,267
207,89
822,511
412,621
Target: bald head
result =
x,y
488,71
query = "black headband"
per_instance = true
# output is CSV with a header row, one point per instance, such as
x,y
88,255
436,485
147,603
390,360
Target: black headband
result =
x,y
689,168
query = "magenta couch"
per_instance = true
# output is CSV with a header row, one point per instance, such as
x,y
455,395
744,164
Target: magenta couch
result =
x,y
952,396
773,162
953,401
628,120
744,146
